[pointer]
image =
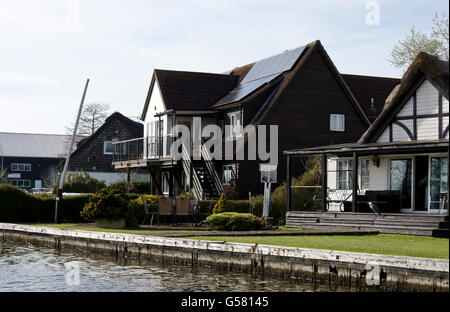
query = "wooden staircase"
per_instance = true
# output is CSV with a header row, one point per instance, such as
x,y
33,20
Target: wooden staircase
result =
x,y
413,224
206,180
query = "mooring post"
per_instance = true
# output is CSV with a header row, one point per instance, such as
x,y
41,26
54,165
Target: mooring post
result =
x,y
288,182
355,182
324,182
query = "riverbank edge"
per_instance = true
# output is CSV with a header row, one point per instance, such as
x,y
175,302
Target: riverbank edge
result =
x,y
396,273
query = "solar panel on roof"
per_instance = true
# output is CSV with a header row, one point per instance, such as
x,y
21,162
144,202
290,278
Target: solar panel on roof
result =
x,y
263,72
243,89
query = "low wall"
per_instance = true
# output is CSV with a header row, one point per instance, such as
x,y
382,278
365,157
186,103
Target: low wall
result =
x,y
395,273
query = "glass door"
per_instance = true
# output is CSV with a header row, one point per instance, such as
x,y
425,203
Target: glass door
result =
x,y
401,181
438,184
421,175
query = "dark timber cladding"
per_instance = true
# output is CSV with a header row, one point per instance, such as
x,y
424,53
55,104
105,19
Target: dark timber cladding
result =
x,y
296,90
90,156
302,111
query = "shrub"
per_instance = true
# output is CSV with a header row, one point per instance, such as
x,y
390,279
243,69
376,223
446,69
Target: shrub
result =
x,y
207,206
138,187
303,199
233,221
19,206
185,196
107,204
82,183
219,207
136,205
224,205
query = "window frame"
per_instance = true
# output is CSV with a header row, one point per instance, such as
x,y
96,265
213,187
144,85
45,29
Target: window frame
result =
x,y
335,117
367,174
348,174
20,183
104,147
235,117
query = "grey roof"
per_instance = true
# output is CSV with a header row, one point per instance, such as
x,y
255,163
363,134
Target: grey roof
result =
x,y
263,72
33,145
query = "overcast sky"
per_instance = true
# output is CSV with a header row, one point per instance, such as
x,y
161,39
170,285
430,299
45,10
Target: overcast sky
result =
x,y
49,47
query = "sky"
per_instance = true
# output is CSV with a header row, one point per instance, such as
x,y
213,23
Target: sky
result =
x,y
48,48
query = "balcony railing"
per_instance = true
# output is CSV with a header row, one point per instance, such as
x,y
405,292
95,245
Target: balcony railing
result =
x,y
152,147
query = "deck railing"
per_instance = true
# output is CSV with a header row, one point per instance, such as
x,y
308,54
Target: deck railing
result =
x,y
142,148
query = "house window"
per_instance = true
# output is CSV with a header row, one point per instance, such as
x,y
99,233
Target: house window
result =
x,y
364,173
235,124
438,181
21,183
345,174
20,167
228,174
108,147
337,122
165,185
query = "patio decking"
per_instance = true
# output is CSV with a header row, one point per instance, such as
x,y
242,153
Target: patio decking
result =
x,y
413,224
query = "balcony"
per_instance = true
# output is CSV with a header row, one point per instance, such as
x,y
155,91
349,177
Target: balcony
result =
x,y
142,152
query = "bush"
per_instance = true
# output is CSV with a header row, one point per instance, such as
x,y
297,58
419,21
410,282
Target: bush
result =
x,y
82,183
138,187
185,196
233,221
219,207
136,205
106,204
18,206
224,205
207,206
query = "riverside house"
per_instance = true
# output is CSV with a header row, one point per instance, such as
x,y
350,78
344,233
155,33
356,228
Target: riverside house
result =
x,y
400,163
94,153
299,90
30,160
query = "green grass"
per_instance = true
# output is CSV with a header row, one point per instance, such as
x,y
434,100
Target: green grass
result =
x,y
86,227
390,244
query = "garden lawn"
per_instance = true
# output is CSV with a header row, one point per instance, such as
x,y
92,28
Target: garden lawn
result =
x,y
390,244
87,227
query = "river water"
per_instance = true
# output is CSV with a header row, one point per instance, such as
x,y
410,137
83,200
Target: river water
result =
x,y
24,267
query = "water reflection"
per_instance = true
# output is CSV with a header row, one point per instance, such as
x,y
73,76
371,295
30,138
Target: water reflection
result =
x,y
25,267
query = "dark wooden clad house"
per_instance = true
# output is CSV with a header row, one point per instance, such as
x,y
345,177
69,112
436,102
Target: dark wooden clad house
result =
x,y
370,92
299,90
94,154
30,160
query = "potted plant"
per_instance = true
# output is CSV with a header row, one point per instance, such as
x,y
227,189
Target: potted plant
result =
x,y
108,209
185,202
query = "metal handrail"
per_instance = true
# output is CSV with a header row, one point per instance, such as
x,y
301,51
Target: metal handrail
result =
x,y
187,165
212,170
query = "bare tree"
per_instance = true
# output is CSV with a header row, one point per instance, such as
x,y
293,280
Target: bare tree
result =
x,y
92,117
3,174
50,178
435,43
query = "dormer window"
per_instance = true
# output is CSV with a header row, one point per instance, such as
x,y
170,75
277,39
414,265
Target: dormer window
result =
x,y
235,124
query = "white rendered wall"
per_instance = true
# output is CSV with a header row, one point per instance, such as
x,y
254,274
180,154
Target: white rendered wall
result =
x,y
427,101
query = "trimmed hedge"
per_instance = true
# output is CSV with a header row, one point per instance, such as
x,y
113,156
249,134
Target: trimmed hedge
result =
x,y
233,221
82,183
17,205
135,187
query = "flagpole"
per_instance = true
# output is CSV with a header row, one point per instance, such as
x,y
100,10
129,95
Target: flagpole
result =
x,y
58,198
